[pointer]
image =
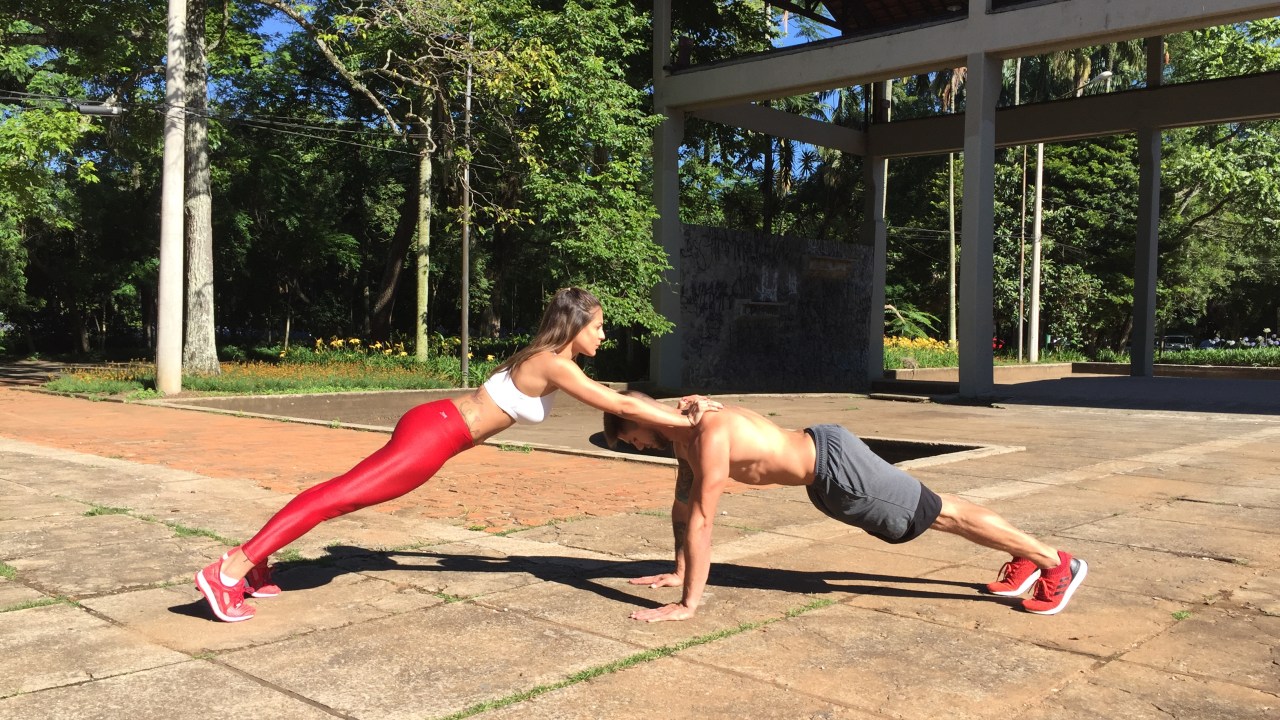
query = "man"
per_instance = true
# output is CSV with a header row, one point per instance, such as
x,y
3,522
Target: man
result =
x,y
846,481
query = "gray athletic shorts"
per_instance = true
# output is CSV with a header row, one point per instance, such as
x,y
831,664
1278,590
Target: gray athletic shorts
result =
x,y
859,488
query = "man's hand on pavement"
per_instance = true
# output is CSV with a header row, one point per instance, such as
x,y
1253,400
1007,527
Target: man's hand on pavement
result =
x,y
674,611
657,581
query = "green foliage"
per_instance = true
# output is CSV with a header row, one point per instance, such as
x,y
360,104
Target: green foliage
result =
x,y
97,510
1237,357
909,322
899,358
96,386
315,180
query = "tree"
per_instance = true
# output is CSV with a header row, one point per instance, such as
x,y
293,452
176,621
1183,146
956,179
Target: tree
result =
x,y
199,347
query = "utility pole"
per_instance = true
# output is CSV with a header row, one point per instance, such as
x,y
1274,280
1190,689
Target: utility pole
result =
x,y
1033,354
170,301
466,233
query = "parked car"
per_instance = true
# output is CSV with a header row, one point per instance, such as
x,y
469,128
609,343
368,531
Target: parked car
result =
x,y
1177,342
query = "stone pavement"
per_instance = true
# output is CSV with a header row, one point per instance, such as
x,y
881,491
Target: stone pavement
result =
x,y
406,611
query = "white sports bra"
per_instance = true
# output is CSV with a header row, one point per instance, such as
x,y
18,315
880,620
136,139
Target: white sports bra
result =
x,y
522,408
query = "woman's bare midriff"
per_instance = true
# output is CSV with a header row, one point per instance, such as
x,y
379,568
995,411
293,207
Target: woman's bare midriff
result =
x,y
482,416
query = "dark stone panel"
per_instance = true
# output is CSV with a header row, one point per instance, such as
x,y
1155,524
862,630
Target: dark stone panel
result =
x,y
766,313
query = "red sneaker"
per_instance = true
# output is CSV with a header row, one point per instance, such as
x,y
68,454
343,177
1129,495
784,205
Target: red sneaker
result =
x,y
258,582
227,601
1056,586
1016,577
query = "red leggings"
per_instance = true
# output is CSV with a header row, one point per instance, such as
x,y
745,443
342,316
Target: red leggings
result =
x,y
423,440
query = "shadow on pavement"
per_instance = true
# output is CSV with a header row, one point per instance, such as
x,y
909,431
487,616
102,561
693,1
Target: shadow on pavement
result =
x,y
583,574
1209,395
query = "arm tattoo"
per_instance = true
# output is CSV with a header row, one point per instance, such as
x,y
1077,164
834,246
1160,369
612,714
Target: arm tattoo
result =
x,y
684,482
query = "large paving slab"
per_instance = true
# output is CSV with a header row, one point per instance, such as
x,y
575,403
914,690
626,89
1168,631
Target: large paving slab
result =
x,y
602,605
459,570
88,570
1098,622
1155,487
832,572
1186,579
841,654
1208,540
1261,593
14,595
18,502
193,690
1134,692
674,689
637,536
58,645
1220,514
427,663
315,597
25,537
1222,643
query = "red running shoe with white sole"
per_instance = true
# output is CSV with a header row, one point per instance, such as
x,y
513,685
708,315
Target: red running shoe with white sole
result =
x,y
1056,586
226,601
1016,577
258,582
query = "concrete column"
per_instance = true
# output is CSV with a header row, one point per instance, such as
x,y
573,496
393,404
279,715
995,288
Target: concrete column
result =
x,y
1142,343
976,324
874,174
665,364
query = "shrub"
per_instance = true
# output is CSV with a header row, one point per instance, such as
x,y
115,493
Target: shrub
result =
x,y
921,351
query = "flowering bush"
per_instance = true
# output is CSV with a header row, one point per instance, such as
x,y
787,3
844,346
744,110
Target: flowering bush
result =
x,y
347,350
918,343
901,352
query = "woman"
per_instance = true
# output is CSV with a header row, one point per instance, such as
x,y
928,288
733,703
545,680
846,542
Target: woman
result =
x,y
520,390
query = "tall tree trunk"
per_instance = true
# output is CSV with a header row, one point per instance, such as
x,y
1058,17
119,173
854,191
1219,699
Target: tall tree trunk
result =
x,y
199,349
423,249
401,242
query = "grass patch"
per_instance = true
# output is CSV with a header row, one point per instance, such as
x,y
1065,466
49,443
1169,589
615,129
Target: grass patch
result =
x,y
550,523
39,602
97,510
187,531
1181,615
288,556
629,661
136,381
514,530
515,447
84,384
7,571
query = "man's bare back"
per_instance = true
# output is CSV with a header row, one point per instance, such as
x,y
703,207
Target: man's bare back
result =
x,y
760,452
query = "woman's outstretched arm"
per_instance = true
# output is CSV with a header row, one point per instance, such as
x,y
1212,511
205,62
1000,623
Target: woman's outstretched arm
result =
x,y
567,376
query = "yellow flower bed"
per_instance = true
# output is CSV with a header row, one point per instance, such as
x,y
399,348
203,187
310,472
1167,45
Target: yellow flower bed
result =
x,y
904,343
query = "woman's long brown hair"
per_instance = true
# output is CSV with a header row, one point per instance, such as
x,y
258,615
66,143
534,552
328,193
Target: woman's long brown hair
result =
x,y
568,312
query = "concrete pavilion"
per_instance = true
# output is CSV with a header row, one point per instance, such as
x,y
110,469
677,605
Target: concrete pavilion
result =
x,y
884,39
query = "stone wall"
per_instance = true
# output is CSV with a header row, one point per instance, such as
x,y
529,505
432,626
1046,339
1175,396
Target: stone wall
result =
x,y
766,313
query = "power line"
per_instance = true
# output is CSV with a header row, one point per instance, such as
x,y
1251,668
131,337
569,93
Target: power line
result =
x,y
297,133
268,125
